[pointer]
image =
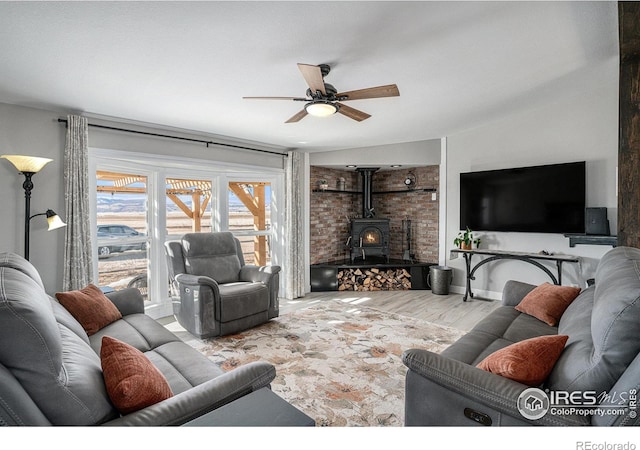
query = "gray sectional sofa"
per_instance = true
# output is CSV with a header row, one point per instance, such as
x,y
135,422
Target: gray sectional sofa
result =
x,y
600,360
50,371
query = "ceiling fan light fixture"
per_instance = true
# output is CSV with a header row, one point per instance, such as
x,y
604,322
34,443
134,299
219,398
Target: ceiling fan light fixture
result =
x,y
321,108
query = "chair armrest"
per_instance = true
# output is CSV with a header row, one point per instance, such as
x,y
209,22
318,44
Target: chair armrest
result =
x,y
196,281
263,274
201,399
497,393
199,307
128,301
514,291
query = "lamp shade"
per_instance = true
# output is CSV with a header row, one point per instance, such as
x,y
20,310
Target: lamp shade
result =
x,y
54,220
27,163
321,108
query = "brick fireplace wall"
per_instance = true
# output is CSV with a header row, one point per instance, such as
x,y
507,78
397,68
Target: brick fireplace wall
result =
x,y
330,212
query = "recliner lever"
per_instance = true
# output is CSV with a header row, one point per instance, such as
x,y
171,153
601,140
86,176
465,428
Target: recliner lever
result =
x,y
481,418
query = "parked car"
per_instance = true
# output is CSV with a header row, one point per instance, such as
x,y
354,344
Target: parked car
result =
x,y
119,238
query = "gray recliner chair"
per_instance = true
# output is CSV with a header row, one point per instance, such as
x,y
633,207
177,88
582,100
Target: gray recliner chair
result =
x,y
216,293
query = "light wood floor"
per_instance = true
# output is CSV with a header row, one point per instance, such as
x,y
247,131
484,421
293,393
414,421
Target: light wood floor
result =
x,y
448,310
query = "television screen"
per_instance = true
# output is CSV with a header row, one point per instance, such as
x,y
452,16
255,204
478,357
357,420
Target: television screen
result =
x,y
540,199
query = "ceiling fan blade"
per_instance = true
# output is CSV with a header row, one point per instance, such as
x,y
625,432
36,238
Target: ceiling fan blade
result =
x,y
276,98
297,117
389,90
313,76
352,113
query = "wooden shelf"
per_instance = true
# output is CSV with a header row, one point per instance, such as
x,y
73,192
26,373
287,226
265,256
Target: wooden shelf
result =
x,y
335,191
591,239
406,191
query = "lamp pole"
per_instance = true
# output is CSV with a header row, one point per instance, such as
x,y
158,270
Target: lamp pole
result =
x,y
27,186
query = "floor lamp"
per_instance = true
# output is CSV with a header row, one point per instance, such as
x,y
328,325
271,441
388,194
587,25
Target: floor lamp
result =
x,y
28,166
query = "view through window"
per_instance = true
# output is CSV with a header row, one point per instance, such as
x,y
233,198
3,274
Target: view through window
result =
x,y
250,219
122,224
188,206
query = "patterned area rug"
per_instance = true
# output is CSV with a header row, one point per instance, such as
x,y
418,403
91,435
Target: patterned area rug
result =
x,y
339,363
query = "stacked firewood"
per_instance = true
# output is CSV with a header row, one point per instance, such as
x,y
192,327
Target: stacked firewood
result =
x,y
374,280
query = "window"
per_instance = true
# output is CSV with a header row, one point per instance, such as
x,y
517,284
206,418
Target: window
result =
x,y
249,206
143,200
121,231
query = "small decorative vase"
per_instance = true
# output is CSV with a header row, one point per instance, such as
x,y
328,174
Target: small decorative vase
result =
x,y
465,246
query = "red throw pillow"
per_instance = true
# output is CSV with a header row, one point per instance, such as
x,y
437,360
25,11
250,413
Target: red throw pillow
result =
x,y
529,362
90,307
132,381
548,302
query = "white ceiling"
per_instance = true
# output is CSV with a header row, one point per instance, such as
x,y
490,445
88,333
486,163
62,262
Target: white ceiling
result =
x,y
188,64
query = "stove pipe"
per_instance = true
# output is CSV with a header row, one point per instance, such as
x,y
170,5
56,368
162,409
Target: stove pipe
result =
x,y
367,190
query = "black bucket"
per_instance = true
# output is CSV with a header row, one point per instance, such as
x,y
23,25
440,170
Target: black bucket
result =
x,y
439,278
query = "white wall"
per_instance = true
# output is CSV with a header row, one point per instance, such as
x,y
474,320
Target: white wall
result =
x,y
420,153
35,132
117,140
582,125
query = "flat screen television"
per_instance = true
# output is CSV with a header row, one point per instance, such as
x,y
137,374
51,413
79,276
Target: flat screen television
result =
x,y
539,199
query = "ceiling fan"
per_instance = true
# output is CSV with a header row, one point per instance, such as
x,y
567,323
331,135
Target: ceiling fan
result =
x,y
322,99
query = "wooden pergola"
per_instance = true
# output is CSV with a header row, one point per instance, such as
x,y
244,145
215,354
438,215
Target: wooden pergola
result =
x,y
200,192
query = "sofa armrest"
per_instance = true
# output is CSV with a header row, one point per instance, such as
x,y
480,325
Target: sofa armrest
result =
x,y
514,291
497,393
128,301
201,399
262,274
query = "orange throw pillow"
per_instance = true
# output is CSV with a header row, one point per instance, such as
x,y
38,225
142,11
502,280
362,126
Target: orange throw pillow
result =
x,y
90,307
548,302
132,381
529,362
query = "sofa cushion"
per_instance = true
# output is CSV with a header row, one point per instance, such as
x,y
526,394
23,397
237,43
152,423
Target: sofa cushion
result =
x,y
90,307
58,369
601,326
182,365
132,381
548,302
213,255
501,328
138,330
528,362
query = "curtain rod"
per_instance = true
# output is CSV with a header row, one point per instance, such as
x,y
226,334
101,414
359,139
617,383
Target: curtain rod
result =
x,y
147,133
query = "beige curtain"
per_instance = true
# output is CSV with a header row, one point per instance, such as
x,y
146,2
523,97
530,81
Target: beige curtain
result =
x,y
294,242
78,249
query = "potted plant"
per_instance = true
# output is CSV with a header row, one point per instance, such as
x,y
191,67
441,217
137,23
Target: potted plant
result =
x,y
323,184
465,240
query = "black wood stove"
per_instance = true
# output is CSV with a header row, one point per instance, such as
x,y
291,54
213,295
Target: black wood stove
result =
x,y
369,236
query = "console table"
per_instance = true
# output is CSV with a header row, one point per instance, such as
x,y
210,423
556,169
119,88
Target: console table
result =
x,y
494,255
